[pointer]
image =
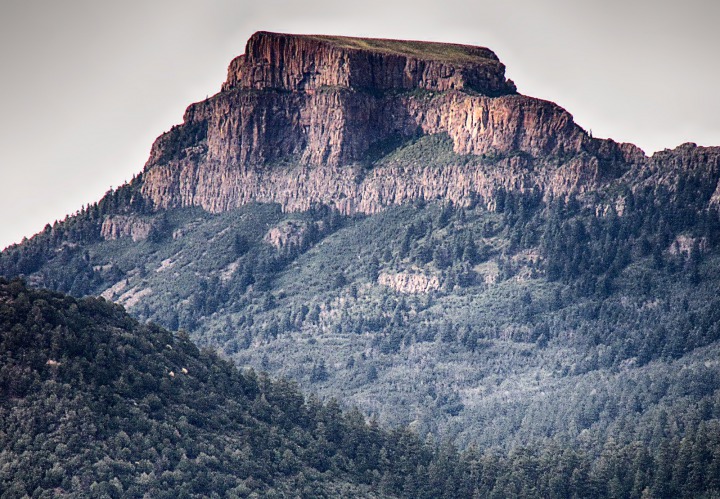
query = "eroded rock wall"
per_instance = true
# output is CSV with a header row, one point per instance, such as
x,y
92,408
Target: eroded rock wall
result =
x,y
275,134
305,63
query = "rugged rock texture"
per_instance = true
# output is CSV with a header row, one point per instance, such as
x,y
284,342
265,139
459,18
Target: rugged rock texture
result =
x,y
288,234
691,165
410,282
298,187
308,63
300,118
119,226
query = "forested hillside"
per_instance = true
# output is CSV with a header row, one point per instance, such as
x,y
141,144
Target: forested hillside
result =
x,y
460,321
94,404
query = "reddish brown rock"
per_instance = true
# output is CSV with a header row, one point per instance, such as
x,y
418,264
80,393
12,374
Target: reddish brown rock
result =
x,y
299,114
310,62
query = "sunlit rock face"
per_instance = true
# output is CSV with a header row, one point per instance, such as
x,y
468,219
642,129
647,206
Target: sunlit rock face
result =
x,y
301,118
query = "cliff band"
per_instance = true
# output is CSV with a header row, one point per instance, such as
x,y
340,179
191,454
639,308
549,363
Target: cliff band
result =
x,y
301,117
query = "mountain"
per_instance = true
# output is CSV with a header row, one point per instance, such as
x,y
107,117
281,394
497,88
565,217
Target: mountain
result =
x,y
391,223
327,109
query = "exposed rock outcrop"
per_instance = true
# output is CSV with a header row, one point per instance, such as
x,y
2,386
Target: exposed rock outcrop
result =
x,y
689,164
311,62
118,226
410,282
300,118
290,233
298,187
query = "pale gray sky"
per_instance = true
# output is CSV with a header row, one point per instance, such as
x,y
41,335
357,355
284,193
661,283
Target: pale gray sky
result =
x,y
87,85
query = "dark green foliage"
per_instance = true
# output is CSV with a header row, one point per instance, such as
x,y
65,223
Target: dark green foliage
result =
x,y
58,247
555,294
436,149
180,140
93,403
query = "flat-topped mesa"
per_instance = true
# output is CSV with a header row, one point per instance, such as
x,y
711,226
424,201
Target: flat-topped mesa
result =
x,y
309,62
300,119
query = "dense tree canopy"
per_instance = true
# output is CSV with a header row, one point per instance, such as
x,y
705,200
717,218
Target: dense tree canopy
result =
x,y
93,403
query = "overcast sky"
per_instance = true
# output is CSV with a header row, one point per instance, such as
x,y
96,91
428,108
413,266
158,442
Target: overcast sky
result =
x,y
87,85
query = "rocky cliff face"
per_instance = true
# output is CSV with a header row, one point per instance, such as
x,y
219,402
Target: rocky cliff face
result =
x,y
308,63
300,117
115,227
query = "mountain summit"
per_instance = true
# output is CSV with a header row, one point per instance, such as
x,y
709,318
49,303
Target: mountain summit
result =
x,y
322,104
312,62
